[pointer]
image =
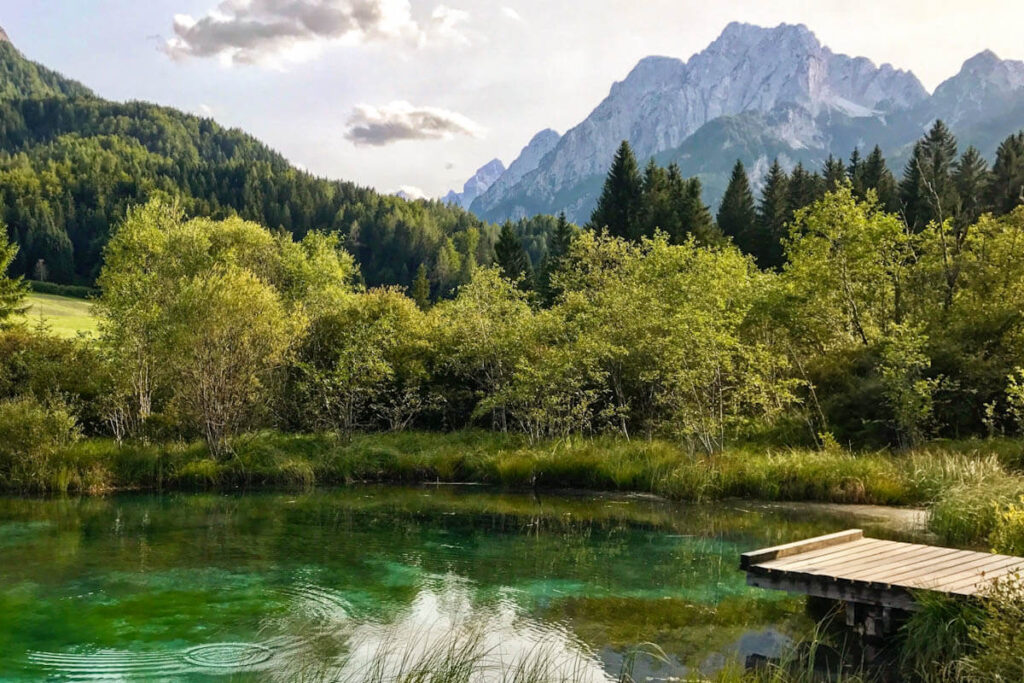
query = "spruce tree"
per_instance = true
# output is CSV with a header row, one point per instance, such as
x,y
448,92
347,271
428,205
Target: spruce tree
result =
x,y
618,208
421,288
970,178
855,173
695,216
1006,189
877,176
737,216
927,190
834,172
510,256
559,244
772,217
12,289
803,190
656,207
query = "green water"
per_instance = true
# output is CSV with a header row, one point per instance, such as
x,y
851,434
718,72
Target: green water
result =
x,y
288,586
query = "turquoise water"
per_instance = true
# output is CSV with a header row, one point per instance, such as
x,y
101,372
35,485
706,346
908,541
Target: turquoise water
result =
x,y
327,584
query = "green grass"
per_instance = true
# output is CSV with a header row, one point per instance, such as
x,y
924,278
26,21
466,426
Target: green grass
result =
x,y
65,316
609,464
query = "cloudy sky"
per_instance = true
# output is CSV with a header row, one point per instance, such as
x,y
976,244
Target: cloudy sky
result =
x,y
419,93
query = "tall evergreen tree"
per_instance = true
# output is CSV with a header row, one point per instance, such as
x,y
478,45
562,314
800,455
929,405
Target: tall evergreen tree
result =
x,y
1006,189
12,289
855,173
694,214
657,211
877,176
834,172
772,217
618,208
557,257
421,288
804,189
970,178
510,256
737,217
927,190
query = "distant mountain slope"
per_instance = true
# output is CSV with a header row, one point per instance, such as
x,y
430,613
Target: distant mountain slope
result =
x,y
477,185
71,164
757,93
20,78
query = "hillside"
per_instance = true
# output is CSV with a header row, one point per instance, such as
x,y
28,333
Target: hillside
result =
x,y
71,164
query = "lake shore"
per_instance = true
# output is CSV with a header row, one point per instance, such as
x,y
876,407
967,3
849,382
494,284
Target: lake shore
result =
x,y
963,480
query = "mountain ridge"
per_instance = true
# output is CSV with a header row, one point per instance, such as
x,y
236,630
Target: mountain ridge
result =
x,y
778,91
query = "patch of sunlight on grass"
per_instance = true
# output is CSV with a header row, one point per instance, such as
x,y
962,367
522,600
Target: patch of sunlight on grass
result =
x,y
63,315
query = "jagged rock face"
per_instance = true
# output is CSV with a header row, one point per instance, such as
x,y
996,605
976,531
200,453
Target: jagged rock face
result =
x,y
983,80
3,36
529,158
664,101
477,185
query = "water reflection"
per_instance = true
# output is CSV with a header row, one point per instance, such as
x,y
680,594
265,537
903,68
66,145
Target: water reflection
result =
x,y
354,583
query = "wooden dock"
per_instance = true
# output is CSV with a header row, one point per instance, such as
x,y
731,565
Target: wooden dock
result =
x,y
873,576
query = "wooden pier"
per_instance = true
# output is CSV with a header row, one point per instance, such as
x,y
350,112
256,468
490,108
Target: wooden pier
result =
x,y
874,577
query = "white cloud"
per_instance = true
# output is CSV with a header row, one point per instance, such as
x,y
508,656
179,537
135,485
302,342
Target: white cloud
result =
x,y
379,126
511,13
264,31
410,192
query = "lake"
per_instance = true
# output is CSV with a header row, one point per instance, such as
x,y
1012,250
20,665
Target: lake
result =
x,y
331,585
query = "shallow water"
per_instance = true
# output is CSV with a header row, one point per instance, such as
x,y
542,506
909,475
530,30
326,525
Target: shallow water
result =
x,y
328,584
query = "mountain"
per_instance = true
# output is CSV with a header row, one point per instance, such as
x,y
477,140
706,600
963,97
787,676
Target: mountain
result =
x,y
477,185
72,164
755,94
3,36
529,158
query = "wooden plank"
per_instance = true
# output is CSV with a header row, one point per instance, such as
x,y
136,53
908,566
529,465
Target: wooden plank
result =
x,y
811,559
846,548
887,556
919,557
975,585
950,558
835,590
789,549
954,565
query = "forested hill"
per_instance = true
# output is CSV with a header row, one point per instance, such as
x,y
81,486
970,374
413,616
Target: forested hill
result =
x,y
71,164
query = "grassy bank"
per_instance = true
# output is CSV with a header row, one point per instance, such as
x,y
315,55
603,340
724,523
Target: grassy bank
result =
x,y
957,477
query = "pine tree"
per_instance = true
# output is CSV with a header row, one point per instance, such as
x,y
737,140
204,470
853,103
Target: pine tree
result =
x,y
834,172
421,288
855,173
510,256
970,178
695,216
12,290
877,176
656,207
772,217
1006,189
559,244
803,190
737,216
619,206
927,190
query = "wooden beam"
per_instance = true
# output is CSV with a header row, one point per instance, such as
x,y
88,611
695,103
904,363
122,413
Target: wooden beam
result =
x,y
747,560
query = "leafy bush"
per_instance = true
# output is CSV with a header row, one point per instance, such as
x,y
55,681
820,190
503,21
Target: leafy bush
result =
x,y
31,435
999,638
1008,535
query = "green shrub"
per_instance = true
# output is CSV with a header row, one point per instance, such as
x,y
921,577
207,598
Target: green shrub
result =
x,y
31,436
999,637
1008,535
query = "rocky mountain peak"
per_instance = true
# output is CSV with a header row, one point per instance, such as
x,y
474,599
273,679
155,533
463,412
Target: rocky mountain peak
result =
x,y
3,36
477,185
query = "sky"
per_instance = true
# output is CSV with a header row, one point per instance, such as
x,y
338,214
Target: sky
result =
x,y
418,94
